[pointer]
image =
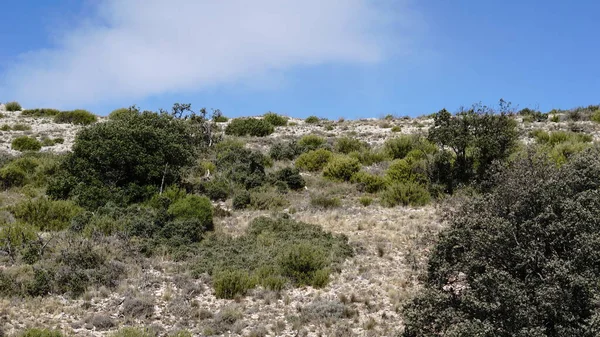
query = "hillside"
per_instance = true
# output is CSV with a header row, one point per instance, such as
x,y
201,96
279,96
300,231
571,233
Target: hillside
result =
x,y
375,243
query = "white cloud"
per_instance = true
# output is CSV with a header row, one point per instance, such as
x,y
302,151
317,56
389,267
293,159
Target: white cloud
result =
x,y
134,49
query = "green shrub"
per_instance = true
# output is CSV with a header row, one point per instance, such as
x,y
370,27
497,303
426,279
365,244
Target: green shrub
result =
x,y
249,127
13,106
300,262
216,189
241,200
126,161
367,182
291,177
408,170
242,166
341,168
369,157
5,127
12,176
285,150
396,128
365,201
557,137
324,201
231,283
346,145
399,147
21,127
267,199
220,119
312,120
78,117
275,119
519,261
311,142
47,215
595,117
40,333
193,207
122,113
40,112
555,118
314,160
407,194
25,143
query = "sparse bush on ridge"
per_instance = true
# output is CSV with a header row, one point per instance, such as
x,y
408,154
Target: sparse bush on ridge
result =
x,y
312,120
12,106
25,143
40,112
78,117
275,119
249,127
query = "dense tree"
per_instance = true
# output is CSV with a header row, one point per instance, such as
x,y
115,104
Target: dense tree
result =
x,y
522,260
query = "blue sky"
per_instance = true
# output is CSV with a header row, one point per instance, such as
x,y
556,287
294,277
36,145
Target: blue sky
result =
x,y
340,58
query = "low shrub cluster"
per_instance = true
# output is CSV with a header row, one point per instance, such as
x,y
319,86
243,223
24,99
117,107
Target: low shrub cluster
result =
x,y
311,143
314,161
25,143
271,253
78,117
561,145
12,106
275,119
46,215
341,168
346,145
312,120
249,127
40,112
285,150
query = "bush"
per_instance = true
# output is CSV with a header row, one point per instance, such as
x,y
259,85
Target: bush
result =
x,y
45,214
312,120
241,200
346,145
12,106
133,332
311,142
596,116
300,262
40,112
122,113
12,176
406,194
314,160
398,148
341,168
79,117
291,177
25,143
408,170
193,207
21,127
40,333
126,161
249,127
285,151
324,201
367,182
231,283
216,189
138,307
365,201
519,261
369,157
275,119
220,119
242,166
396,128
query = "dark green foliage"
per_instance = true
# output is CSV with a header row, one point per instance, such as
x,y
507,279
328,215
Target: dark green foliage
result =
x,y
266,252
311,142
408,170
21,127
40,333
300,262
242,166
275,119
217,189
341,168
285,150
79,117
407,193
520,261
324,201
249,127
40,112
290,177
25,143
367,182
312,120
314,160
126,160
193,207
47,215
232,283
12,176
13,106
122,113
346,145
530,115
477,138
369,157
241,200
398,148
